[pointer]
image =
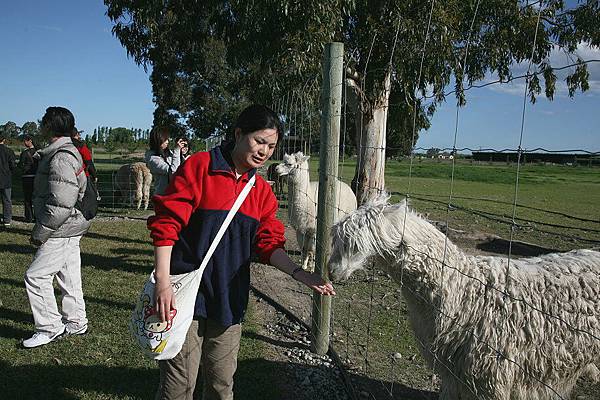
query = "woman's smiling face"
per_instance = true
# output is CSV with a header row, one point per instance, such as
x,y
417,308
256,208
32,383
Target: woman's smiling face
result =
x,y
253,149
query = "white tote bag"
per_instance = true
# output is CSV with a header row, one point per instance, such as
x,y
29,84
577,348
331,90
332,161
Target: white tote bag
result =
x,y
163,340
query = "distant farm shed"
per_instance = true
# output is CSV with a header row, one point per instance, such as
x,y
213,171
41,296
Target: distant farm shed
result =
x,y
534,157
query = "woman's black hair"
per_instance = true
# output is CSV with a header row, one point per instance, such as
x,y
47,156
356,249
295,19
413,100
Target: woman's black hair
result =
x,y
258,117
157,137
181,137
58,121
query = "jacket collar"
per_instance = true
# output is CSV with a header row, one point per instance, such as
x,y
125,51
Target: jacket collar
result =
x,y
221,161
54,146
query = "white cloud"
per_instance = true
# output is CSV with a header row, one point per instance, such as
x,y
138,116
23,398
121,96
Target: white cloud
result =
x,y
557,59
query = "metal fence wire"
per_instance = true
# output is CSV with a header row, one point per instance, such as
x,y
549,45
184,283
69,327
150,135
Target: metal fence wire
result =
x,y
371,329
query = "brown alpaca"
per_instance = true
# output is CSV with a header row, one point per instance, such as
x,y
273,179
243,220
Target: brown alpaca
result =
x,y
132,182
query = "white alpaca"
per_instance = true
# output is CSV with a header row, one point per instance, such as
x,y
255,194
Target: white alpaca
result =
x,y
487,345
132,183
302,203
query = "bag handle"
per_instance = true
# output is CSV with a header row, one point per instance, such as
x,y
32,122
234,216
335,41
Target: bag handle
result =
x,y
225,225
73,154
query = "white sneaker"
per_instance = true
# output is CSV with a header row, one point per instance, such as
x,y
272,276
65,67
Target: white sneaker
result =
x,y
74,329
41,338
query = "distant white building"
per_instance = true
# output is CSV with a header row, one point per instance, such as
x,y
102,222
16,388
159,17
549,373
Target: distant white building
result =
x,y
213,141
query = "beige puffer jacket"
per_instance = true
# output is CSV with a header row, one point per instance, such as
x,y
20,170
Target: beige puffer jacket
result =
x,y
56,189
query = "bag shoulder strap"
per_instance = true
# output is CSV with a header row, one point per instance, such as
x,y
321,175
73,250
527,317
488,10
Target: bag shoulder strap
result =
x,y
73,154
236,206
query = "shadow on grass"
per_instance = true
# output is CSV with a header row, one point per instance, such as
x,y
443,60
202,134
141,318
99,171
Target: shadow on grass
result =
x,y
66,382
10,332
363,386
134,252
15,315
19,231
121,261
254,380
501,246
118,237
368,388
109,263
19,316
17,249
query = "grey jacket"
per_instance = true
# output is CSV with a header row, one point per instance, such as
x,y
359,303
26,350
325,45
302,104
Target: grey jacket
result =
x,y
57,187
162,170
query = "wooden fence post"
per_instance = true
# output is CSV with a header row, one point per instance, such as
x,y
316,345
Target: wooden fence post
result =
x,y
331,106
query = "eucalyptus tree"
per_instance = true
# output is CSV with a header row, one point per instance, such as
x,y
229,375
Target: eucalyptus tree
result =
x,y
30,128
210,57
10,129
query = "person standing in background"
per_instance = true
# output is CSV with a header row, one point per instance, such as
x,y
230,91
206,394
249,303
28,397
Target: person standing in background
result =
x,y
86,155
7,166
59,184
28,165
161,161
185,150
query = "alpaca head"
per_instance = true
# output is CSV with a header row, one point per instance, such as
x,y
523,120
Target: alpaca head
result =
x,y
292,162
374,229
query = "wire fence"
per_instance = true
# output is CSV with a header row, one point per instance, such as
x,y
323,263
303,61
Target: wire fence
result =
x,y
479,197
483,201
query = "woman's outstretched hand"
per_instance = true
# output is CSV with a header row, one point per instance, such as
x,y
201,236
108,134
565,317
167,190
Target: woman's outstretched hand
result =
x,y
315,282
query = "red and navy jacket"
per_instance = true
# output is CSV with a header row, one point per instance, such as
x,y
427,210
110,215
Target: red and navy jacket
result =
x,y
188,216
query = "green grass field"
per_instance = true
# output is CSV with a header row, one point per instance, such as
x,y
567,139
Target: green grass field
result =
x,y
105,363
117,256
484,196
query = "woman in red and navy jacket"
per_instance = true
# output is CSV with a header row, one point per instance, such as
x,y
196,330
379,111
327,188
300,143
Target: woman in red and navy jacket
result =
x,y
187,218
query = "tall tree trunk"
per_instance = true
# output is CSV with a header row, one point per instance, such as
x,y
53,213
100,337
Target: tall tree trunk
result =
x,y
370,138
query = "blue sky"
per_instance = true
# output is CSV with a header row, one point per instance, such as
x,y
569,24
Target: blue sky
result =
x,y
63,53
492,116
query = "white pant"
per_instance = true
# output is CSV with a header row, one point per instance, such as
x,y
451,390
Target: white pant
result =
x,y
57,257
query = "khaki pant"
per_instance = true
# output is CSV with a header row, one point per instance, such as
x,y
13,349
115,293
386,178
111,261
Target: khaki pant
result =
x,y
216,348
57,258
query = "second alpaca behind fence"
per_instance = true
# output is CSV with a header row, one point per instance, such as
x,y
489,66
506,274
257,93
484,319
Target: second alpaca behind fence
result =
x,y
302,203
277,181
132,182
529,335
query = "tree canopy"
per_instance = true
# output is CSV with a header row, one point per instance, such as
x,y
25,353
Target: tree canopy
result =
x,y
10,129
208,58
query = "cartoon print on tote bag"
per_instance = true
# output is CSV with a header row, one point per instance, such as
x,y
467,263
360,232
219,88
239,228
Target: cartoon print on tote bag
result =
x,y
149,325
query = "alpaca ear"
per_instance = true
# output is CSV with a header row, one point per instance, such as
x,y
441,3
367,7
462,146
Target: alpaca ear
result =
x,y
379,199
286,158
401,206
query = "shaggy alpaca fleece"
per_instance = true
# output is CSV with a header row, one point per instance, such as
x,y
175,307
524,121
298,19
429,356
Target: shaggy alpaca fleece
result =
x,y
132,183
302,203
529,335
